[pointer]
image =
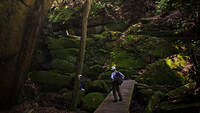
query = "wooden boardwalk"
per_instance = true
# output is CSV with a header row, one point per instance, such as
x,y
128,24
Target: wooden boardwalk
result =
x,y
108,106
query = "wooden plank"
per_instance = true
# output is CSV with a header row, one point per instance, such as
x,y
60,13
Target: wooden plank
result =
x,y
108,106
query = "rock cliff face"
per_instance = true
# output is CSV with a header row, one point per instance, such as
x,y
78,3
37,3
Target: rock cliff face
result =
x,y
20,23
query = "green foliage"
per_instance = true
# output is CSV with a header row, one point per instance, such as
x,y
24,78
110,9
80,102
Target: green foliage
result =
x,y
176,63
97,5
92,101
162,5
61,14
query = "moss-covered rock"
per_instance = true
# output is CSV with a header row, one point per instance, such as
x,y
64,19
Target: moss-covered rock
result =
x,y
176,62
92,101
97,36
100,86
160,73
87,85
69,54
62,65
180,90
63,43
164,50
68,97
120,26
95,29
96,86
50,81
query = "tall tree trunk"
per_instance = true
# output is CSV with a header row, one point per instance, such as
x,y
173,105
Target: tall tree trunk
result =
x,y
81,55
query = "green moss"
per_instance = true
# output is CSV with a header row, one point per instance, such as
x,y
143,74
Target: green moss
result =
x,y
99,86
111,35
160,73
50,81
92,101
90,41
136,63
65,54
63,43
68,97
62,65
164,50
119,26
177,62
180,90
97,36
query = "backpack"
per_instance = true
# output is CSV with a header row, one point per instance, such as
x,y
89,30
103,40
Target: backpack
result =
x,y
118,79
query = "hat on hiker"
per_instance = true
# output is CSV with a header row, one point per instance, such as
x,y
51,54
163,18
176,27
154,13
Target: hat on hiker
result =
x,y
113,68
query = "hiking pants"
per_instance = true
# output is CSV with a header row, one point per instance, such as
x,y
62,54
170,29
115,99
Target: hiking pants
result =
x,y
116,88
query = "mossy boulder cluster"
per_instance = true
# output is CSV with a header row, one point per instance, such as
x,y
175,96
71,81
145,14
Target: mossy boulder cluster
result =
x,y
107,45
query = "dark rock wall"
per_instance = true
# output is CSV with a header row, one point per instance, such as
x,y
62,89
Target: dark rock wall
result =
x,y
20,23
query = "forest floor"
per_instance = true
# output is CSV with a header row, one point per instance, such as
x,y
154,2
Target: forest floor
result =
x,y
32,107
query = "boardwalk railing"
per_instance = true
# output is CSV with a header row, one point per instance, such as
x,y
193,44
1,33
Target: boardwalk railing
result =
x,y
108,106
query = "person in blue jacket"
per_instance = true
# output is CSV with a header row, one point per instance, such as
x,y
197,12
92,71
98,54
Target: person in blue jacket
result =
x,y
115,86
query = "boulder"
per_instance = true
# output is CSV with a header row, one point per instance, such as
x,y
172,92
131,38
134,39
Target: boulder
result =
x,y
63,43
92,101
68,97
68,54
62,65
100,86
50,81
96,86
164,50
160,73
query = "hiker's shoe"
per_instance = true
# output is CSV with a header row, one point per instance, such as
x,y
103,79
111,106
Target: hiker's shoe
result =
x,y
114,100
120,99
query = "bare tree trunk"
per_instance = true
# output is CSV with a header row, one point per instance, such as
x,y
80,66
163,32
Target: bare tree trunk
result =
x,y
81,55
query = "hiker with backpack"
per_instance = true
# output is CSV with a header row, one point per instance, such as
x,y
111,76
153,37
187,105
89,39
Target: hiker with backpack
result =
x,y
117,79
